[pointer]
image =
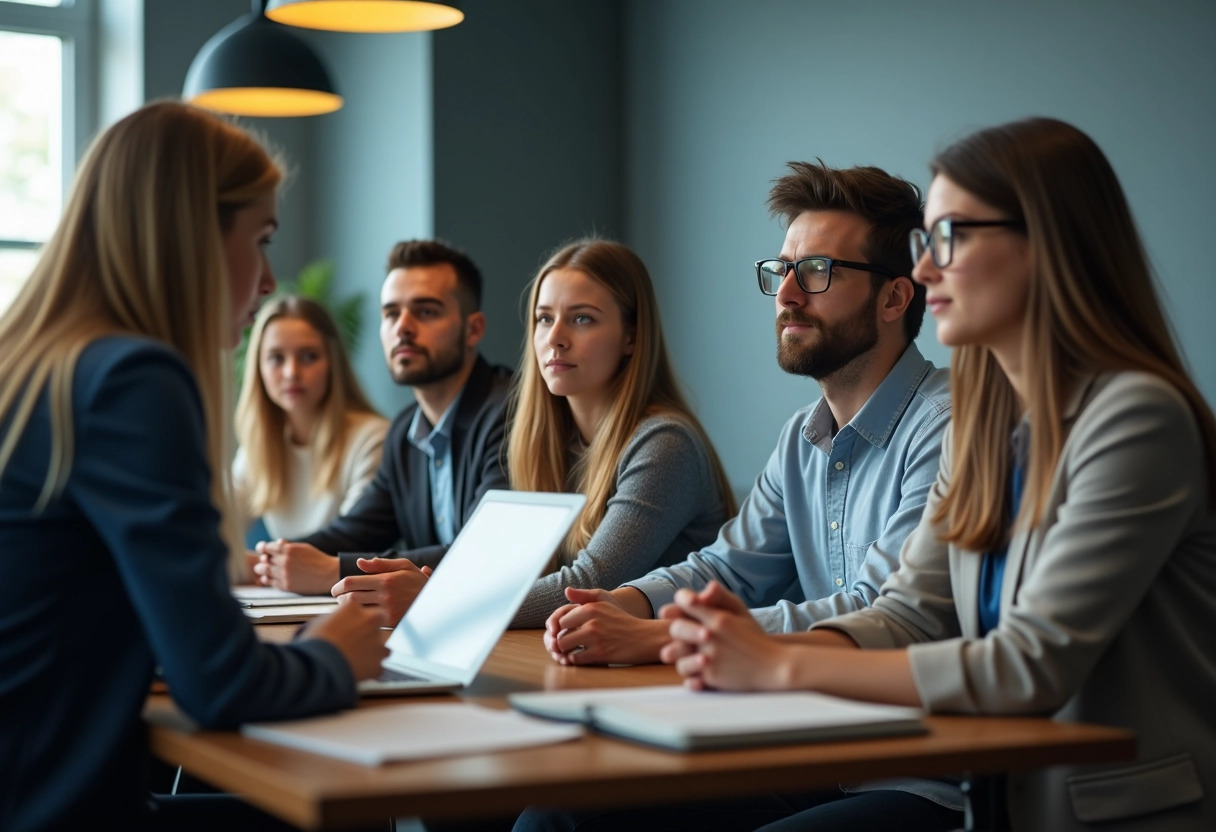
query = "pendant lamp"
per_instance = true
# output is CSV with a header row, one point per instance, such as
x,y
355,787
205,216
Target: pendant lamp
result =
x,y
366,15
256,67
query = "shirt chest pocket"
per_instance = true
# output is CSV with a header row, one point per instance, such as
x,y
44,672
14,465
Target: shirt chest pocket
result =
x,y
855,555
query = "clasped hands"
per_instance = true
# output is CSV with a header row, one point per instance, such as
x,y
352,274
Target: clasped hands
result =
x,y
716,643
710,636
389,583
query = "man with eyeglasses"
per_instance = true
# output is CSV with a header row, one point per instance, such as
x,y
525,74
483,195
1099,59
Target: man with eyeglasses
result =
x,y
846,484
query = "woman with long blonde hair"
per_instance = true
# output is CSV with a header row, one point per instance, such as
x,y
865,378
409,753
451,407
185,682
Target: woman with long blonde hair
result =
x,y
113,426
1065,564
597,409
309,440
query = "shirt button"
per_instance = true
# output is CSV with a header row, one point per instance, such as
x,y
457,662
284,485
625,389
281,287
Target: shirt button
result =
x,y
835,525
439,520
839,466
840,582
439,463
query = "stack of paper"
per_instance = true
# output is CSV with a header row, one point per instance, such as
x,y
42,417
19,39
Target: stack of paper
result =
x,y
671,716
267,605
372,736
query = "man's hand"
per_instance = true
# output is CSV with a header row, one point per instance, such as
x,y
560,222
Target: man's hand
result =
x,y
355,631
596,628
390,583
295,567
716,643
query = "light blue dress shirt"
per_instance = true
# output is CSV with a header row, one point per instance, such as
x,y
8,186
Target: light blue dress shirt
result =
x,y
436,443
825,521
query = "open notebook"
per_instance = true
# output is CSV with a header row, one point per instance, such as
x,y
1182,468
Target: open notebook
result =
x,y
464,608
674,717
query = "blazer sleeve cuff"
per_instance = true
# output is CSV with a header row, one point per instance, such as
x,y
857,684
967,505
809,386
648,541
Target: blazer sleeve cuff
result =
x,y
937,673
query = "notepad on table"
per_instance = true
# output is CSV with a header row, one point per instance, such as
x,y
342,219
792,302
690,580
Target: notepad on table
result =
x,y
674,717
373,736
267,605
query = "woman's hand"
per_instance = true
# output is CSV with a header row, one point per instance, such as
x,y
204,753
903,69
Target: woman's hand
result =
x,y
295,567
355,631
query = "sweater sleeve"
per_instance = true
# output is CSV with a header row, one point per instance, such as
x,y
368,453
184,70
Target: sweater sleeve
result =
x,y
142,480
664,483
362,459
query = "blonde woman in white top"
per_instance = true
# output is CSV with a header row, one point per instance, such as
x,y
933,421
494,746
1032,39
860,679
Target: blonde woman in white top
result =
x,y
309,440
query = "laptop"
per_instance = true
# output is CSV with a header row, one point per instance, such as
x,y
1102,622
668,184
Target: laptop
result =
x,y
466,605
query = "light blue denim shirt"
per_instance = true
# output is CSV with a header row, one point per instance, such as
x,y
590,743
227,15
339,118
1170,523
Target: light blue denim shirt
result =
x,y
824,523
436,443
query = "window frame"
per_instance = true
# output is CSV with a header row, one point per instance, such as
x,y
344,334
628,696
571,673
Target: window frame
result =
x,y
76,24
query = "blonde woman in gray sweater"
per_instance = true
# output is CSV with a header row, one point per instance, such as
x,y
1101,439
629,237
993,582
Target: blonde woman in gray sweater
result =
x,y
597,409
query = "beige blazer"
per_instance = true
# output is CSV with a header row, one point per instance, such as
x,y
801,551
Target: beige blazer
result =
x,y
1108,615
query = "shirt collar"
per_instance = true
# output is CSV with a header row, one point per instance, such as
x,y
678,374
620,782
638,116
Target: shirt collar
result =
x,y
422,435
882,411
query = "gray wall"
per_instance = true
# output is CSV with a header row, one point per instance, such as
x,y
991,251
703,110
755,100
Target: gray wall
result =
x,y
720,94
527,141
665,121
371,164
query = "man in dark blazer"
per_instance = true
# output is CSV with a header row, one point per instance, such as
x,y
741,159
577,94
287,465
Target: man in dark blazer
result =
x,y
442,453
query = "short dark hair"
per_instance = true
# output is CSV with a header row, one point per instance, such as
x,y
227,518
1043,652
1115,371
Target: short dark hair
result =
x,y
410,253
892,206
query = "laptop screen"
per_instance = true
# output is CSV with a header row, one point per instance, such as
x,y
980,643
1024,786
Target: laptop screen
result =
x,y
467,603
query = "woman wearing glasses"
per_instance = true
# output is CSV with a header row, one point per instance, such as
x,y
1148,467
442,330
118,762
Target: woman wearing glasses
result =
x,y
1066,561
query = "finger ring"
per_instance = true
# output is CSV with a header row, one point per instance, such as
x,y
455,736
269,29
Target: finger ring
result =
x,y
578,648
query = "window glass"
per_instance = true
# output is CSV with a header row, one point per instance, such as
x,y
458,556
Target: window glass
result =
x,y
31,135
15,266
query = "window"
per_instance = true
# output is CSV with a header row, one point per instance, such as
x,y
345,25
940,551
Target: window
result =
x,y
46,105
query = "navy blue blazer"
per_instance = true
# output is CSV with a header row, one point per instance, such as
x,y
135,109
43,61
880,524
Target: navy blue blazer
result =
x,y
122,572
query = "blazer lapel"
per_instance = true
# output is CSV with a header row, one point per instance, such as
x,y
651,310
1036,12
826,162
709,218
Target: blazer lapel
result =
x,y
1020,545
965,570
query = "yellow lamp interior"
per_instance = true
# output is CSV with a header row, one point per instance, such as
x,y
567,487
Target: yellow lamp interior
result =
x,y
268,101
367,15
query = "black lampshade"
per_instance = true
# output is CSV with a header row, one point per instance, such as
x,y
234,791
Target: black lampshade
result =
x,y
256,67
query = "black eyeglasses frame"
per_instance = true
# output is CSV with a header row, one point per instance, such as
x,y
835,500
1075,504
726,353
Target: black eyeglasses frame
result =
x,y
923,238
832,262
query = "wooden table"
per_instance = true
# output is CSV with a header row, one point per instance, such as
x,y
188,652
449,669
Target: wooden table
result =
x,y
317,792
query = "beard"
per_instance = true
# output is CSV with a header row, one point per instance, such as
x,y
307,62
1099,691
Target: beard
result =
x,y
426,367
837,346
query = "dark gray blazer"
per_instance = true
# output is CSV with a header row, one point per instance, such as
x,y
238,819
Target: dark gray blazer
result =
x,y
1108,611
396,507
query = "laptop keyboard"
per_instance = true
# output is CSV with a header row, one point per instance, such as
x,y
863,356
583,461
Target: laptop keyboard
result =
x,y
389,675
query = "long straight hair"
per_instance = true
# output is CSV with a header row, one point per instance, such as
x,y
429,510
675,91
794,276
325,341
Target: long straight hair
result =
x,y
542,424
261,424
1091,307
139,250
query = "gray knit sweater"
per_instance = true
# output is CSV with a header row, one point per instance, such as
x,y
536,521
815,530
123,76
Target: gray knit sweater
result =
x,y
666,505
